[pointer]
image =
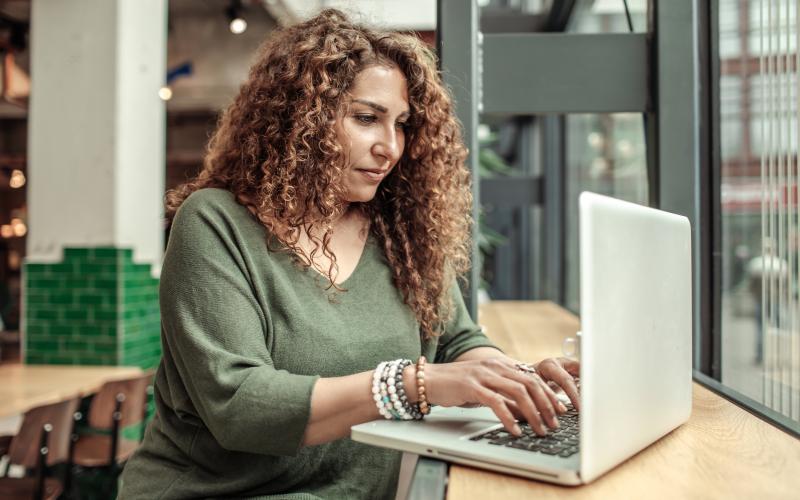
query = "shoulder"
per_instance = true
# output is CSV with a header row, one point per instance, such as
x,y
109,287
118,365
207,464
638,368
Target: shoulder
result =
x,y
209,199
210,204
213,213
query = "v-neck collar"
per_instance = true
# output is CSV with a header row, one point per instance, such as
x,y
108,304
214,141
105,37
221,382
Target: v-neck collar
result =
x,y
359,264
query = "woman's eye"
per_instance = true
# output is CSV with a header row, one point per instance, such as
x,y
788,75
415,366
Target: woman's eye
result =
x,y
366,119
402,125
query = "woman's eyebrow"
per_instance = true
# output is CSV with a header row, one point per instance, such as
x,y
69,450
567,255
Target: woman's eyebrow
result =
x,y
378,107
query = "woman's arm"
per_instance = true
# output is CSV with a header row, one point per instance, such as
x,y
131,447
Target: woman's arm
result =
x,y
482,376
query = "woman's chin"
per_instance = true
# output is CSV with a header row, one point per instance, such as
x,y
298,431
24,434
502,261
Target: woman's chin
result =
x,y
361,195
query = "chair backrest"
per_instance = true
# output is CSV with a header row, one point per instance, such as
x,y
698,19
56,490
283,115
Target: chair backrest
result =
x,y
24,448
134,392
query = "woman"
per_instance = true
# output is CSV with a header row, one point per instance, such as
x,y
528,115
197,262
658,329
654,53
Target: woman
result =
x,y
322,238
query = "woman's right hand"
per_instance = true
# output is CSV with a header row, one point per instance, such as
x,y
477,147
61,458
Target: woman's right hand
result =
x,y
498,384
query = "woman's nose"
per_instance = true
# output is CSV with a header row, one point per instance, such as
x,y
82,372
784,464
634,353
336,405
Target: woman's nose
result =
x,y
389,146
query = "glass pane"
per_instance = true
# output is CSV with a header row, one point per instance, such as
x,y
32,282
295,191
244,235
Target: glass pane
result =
x,y
605,155
758,194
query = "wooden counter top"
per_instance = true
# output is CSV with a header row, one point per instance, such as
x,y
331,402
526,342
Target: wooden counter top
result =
x,y
721,452
23,387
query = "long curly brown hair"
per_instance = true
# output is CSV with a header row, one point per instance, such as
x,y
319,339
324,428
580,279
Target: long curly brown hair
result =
x,y
275,149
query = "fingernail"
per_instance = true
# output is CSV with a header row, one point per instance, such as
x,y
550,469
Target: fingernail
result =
x,y
516,429
556,425
561,406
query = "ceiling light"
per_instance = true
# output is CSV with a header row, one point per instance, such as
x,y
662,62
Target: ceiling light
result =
x,y
237,24
165,93
17,179
18,228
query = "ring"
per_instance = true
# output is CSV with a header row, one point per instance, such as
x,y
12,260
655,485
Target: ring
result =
x,y
525,368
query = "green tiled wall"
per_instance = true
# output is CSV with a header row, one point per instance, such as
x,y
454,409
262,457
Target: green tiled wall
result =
x,y
97,307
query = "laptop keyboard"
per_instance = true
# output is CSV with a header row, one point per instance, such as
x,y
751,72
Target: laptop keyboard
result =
x,y
562,442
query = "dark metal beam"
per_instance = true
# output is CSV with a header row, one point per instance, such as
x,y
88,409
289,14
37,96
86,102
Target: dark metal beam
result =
x,y
684,177
457,42
527,74
512,191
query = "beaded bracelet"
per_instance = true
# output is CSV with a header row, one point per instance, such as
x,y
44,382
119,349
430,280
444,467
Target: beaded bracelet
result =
x,y
376,389
408,411
389,394
423,406
391,400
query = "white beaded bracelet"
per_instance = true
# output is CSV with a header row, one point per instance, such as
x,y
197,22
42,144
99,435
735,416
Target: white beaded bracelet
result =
x,y
389,394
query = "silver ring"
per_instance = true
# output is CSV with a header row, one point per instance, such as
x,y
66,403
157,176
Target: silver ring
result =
x,y
526,368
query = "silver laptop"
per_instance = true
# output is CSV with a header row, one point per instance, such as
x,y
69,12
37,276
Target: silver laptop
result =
x,y
636,369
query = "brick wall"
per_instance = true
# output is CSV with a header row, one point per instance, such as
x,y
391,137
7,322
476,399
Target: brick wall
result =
x,y
96,307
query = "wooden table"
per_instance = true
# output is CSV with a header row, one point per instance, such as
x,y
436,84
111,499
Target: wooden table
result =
x,y
23,387
721,452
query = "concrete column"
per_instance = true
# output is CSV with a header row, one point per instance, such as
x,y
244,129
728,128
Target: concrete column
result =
x,y
96,181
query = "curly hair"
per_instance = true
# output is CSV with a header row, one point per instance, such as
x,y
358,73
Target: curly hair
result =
x,y
276,150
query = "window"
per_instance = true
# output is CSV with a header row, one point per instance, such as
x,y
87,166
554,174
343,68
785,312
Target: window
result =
x,y
758,210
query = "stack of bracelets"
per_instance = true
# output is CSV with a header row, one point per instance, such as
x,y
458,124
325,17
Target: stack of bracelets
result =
x,y
389,392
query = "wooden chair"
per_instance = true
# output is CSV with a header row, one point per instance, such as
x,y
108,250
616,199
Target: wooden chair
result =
x,y
43,441
117,405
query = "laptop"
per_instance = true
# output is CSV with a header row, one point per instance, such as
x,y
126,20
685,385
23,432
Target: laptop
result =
x,y
636,365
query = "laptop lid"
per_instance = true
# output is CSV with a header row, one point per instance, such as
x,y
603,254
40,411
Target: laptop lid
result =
x,y
636,322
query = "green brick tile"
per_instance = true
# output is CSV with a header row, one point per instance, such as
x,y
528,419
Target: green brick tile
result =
x,y
105,283
36,295
43,313
75,314
77,345
77,253
77,282
103,253
34,358
63,268
100,314
38,329
43,346
90,298
95,331
62,297
106,270
36,271
45,282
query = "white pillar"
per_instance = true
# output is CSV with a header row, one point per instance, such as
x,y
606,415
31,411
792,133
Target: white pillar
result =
x,y
96,138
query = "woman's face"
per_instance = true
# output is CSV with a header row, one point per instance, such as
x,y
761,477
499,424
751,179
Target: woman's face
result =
x,y
372,132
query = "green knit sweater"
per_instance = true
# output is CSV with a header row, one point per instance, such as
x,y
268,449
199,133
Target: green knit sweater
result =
x,y
245,334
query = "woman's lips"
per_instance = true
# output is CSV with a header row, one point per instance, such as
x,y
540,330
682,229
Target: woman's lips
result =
x,y
374,176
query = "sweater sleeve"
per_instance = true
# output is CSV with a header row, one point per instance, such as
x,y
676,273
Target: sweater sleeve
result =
x,y
461,334
216,331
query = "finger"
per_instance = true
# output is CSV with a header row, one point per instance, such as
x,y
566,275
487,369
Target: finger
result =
x,y
558,371
543,402
553,397
514,409
571,366
498,405
567,383
538,391
519,393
